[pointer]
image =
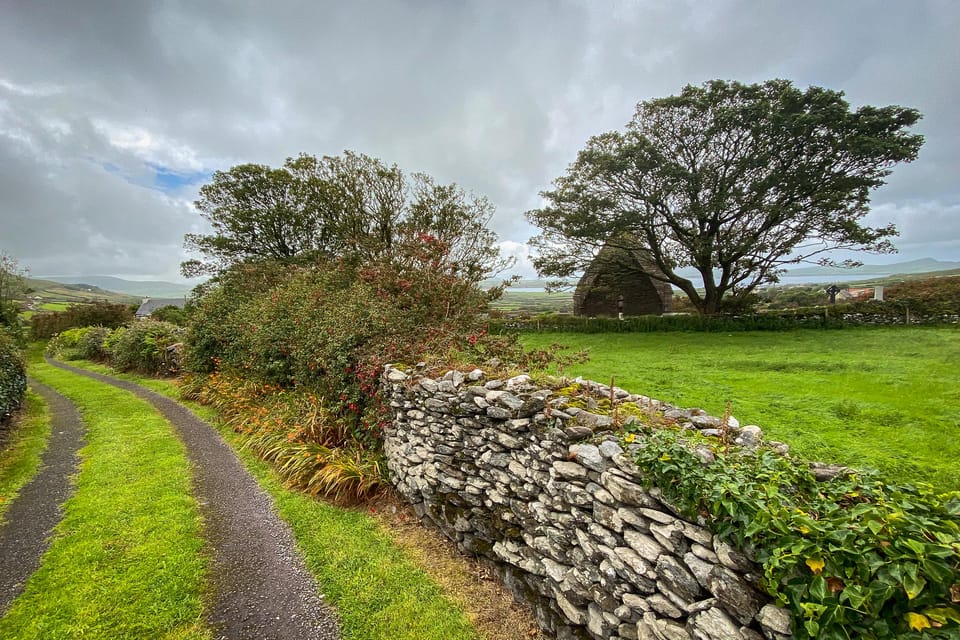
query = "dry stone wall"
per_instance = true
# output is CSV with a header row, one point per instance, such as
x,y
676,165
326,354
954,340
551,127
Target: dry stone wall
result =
x,y
547,494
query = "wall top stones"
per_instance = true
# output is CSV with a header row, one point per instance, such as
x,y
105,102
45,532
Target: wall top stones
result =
x,y
536,481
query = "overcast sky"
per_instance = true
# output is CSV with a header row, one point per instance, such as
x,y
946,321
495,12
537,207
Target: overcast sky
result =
x,y
112,114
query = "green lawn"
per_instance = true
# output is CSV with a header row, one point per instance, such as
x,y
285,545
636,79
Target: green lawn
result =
x,y
886,398
126,561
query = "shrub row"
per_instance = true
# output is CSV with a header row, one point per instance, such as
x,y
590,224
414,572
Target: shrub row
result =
x,y
13,375
145,346
103,314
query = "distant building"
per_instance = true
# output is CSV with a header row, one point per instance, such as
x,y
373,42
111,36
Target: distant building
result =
x,y
149,305
618,281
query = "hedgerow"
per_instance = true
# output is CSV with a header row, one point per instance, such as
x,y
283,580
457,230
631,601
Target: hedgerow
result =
x,y
13,375
103,314
852,557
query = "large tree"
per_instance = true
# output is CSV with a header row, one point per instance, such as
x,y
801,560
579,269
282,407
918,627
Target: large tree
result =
x,y
734,180
351,206
12,285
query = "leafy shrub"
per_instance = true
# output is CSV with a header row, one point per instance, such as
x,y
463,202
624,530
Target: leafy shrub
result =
x,y
146,346
98,314
13,376
64,345
90,346
852,557
325,333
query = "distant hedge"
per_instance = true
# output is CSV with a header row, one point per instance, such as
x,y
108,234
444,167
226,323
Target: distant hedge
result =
x,y
13,376
98,314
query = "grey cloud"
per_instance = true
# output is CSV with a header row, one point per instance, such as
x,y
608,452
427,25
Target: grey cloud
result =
x,y
496,96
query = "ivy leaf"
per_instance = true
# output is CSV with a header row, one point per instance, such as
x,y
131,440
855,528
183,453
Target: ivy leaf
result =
x,y
943,614
918,621
913,585
818,588
816,565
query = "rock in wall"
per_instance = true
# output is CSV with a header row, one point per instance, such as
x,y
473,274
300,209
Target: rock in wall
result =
x,y
547,494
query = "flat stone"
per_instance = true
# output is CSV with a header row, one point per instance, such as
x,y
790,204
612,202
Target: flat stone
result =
x,y
428,385
750,436
677,578
648,548
776,619
699,568
589,456
625,491
508,401
476,374
730,557
738,597
574,614
713,624
395,375
663,606
498,413
609,449
570,470
493,384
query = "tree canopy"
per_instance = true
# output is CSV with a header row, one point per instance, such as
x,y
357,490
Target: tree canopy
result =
x,y
12,285
733,180
351,206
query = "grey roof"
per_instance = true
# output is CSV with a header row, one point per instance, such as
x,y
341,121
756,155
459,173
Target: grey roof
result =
x,y
150,305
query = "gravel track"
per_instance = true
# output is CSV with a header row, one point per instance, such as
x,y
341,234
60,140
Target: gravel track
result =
x,y
261,588
38,508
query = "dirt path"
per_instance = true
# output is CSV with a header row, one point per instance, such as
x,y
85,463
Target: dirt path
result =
x,y
261,588
39,506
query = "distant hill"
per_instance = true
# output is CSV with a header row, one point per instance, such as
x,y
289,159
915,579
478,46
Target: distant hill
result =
x,y
40,292
924,265
138,288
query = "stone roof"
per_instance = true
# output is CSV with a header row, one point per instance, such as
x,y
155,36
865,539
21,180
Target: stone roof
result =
x,y
149,305
616,274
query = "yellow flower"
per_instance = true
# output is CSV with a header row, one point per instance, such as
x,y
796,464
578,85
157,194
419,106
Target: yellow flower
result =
x,y
816,564
918,621
630,437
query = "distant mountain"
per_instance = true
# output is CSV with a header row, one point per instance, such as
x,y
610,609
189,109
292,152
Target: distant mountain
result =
x,y
924,265
141,288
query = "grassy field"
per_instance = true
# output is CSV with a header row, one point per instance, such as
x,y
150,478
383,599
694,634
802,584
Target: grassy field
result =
x,y
885,398
125,561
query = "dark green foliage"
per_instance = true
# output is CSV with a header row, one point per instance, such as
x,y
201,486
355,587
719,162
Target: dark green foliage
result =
x,y
172,314
733,180
351,206
98,314
146,346
13,376
852,557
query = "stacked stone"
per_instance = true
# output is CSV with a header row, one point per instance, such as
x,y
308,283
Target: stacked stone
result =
x,y
550,498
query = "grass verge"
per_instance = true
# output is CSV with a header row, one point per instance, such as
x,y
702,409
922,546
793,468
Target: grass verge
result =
x,y
24,445
885,398
126,561
378,591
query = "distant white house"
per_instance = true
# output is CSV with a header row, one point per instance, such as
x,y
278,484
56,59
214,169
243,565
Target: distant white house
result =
x,y
149,305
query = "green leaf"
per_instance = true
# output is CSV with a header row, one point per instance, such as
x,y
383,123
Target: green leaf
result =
x,y
913,585
819,588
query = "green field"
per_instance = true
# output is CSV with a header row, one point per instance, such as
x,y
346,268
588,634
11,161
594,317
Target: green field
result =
x,y
885,398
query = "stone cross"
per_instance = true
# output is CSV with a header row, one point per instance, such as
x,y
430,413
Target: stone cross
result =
x,y
832,291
